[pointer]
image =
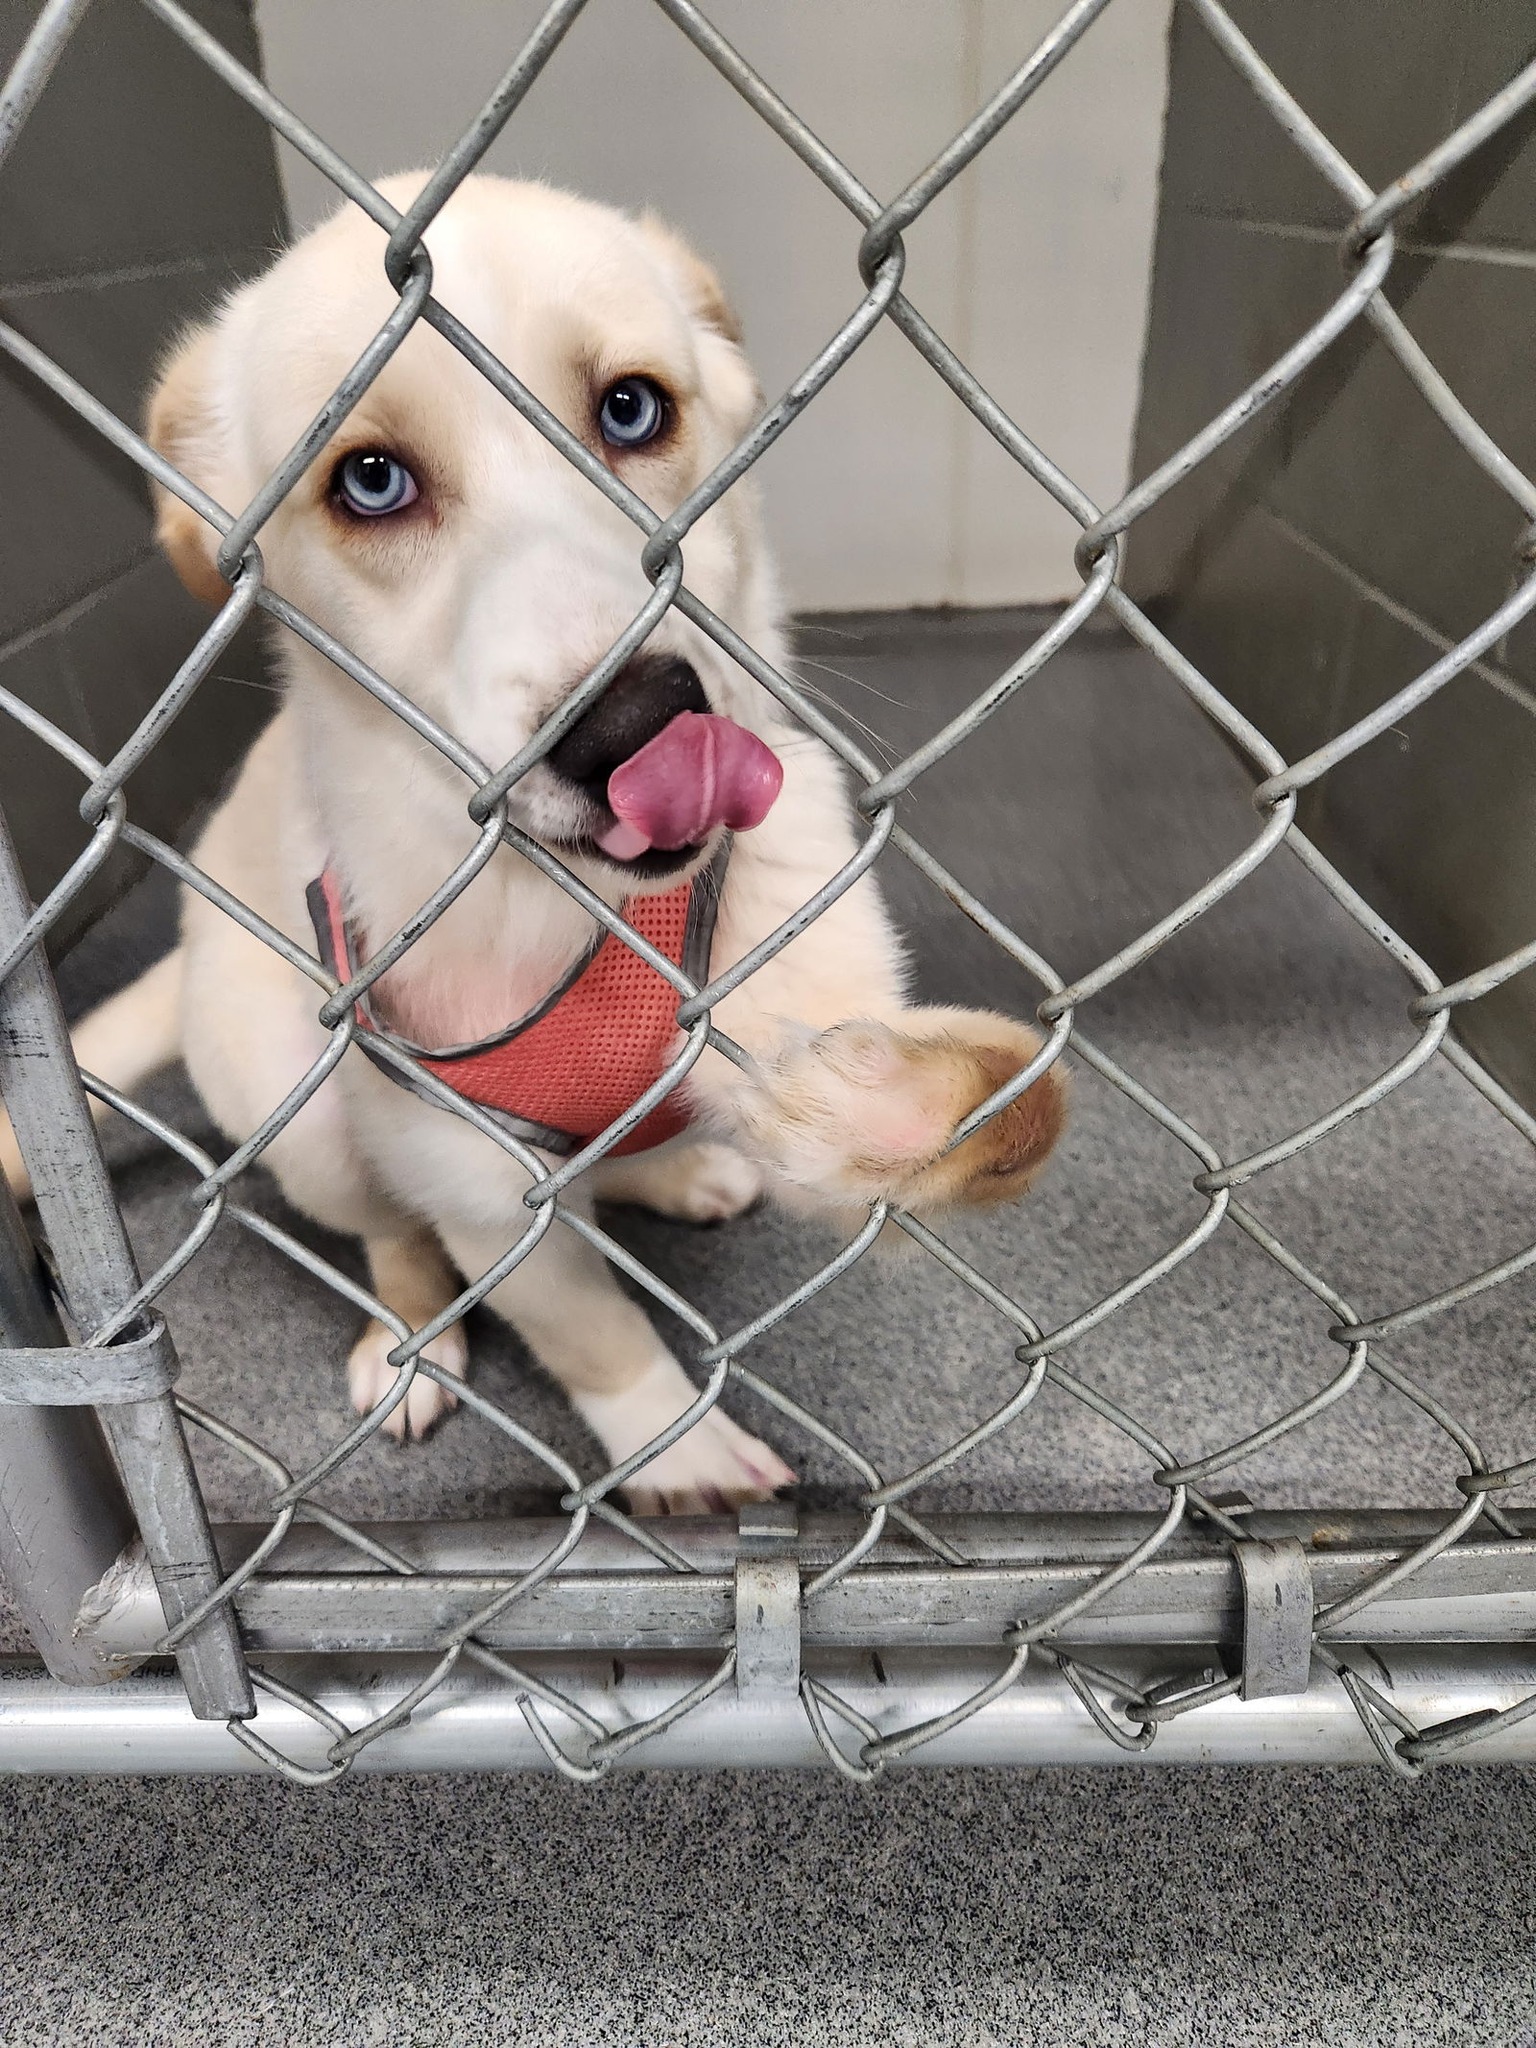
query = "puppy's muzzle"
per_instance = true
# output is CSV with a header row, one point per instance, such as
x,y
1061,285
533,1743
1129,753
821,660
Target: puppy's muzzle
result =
x,y
641,701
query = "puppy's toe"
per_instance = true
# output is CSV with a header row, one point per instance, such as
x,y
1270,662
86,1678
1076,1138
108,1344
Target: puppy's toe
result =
x,y
698,1183
13,1168
710,1471
714,1183
370,1377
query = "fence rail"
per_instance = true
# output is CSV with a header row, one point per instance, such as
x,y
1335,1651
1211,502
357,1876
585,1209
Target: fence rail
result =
x,y
874,1638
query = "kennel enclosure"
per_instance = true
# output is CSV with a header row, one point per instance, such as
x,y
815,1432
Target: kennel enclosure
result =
x,y
1206,1627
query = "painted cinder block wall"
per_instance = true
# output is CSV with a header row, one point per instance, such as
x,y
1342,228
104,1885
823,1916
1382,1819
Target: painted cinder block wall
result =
x,y
1034,265
1332,552
137,193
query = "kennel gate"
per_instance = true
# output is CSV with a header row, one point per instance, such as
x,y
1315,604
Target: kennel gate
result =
x,y
1207,1630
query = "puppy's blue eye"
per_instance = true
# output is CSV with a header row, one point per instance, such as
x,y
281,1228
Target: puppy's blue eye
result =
x,y
374,484
632,412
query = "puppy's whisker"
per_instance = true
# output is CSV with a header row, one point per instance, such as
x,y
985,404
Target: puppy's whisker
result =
x,y
820,625
876,739
267,684
859,682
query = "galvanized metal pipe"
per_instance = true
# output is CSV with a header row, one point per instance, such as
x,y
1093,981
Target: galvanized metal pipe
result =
x,y
471,1722
320,1593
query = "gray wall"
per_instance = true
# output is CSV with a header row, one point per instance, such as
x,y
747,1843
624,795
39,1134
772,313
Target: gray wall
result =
x,y
139,190
1035,264
1329,554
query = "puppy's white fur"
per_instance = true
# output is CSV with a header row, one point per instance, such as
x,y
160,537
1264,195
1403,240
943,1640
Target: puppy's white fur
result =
x,y
486,606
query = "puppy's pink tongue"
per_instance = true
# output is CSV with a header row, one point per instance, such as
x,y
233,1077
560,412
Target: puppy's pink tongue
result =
x,y
699,772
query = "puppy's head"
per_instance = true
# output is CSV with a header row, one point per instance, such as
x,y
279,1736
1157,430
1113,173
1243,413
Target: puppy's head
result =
x,y
441,537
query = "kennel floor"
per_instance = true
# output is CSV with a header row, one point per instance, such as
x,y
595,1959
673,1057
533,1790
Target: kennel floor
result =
x,y
1017,1907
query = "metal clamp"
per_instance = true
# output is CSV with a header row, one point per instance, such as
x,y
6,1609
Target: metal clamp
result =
x,y
767,1599
1277,1617
136,1367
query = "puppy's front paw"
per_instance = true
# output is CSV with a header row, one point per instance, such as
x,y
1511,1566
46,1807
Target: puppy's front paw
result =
x,y
863,1112
711,1470
370,1377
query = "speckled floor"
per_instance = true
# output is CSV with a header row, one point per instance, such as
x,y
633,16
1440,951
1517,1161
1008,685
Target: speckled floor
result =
x,y
1023,1907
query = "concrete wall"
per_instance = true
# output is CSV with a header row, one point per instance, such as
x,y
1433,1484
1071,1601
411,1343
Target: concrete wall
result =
x,y
1035,266
1331,552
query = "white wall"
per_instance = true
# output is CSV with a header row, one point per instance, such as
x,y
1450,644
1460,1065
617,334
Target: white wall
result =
x,y
1034,265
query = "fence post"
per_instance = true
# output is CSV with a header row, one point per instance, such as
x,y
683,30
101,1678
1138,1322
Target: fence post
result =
x,y
64,1518
42,1091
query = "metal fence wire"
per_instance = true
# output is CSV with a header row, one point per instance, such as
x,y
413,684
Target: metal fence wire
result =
x,y
868,1638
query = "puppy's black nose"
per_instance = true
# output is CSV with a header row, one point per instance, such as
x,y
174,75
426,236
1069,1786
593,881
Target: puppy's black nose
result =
x,y
643,698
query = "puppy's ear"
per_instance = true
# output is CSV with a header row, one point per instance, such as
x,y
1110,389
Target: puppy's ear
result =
x,y
728,374
181,424
702,291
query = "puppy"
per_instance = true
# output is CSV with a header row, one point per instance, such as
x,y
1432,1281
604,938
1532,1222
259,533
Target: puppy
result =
x,y
440,537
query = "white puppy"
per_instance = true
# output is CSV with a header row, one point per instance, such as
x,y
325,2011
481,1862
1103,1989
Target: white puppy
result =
x,y
441,538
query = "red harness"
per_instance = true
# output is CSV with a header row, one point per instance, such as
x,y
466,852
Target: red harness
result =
x,y
597,1041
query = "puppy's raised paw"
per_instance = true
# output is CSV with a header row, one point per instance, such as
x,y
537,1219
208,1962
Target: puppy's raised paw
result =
x,y
865,1111
370,1376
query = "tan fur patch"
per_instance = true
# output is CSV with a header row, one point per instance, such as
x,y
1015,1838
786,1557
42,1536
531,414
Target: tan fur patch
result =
x,y
177,426
1002,1159
703,293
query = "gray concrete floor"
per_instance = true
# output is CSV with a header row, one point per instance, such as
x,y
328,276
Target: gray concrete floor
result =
x,y
1119,1906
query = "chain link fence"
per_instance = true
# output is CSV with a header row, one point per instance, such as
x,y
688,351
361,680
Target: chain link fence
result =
x,y
859,1639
